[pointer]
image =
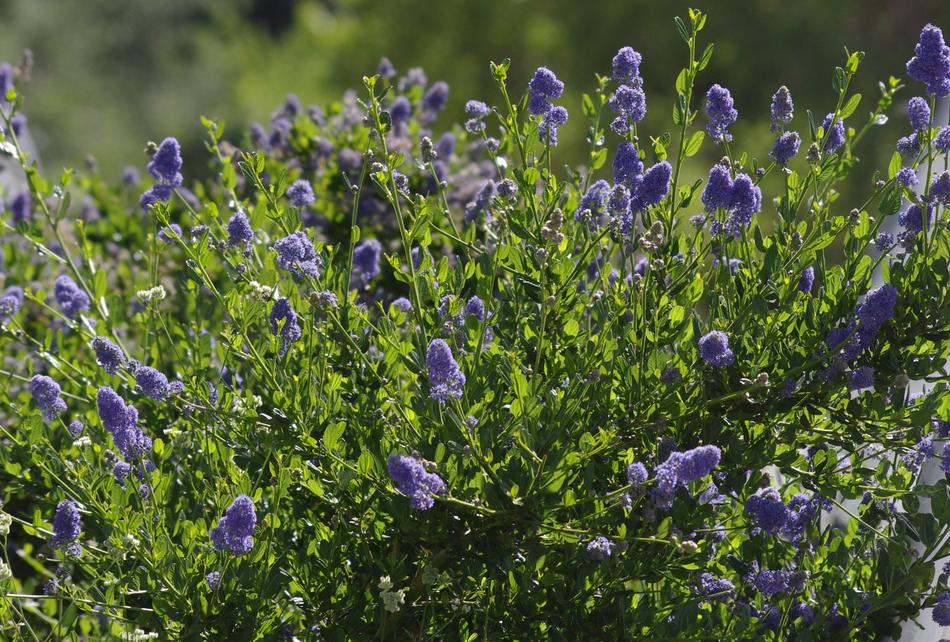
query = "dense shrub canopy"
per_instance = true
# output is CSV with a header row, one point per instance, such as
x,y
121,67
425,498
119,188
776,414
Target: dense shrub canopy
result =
x,y
378,381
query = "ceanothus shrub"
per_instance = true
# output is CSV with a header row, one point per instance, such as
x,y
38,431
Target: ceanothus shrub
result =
x,y
383,378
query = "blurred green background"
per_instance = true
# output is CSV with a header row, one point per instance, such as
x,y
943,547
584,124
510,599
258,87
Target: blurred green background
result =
x,y
111,74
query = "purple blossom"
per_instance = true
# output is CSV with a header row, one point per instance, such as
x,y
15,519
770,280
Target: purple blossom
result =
x,y
296,254
412,480
239,230
46,393
770,583
553,119
766,510
908,146
627,164
120,420
782,111
433,101
152,382
940,189
834,136
290,330
942,140
385,68
630,104
653,188
786,146
718,191
213,580
75,428
365,263
165,165
941,612
594,199
714,349
445,377
907,177
714,588
121,471
931,62
70,297
403,304
66,524
721,112
884,241
300,194
918,111
475,307
912,219
600,548
745,202
21,208
807,280
10,302
626,64
108,355
168,234
235,530
861,378
542,88
682,468
476,109
636,473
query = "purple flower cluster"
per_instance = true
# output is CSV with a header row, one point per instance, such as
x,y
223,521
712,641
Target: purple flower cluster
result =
x,y
239,230
941,612
70,296
767,511
235,530
714,588
290,330
834,136
120,419
681,468
628,101
714,349
445,377
296,254
108,355
165,167
300,194
782,110
786,146
366,257
931,62
10,302
543,88
918,112
741,197
721,112
552,120
600,548
153,383
414,481
807,280
66,524
849,341
46,393
477,110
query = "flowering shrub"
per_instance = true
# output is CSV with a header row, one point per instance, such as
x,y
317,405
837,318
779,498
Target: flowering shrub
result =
x,y
371,381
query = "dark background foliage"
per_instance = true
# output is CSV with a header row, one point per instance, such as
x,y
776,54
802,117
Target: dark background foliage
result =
x,y
128,71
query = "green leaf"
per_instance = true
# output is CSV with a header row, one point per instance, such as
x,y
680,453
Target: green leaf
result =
x,y
895,165
694,143
850,107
